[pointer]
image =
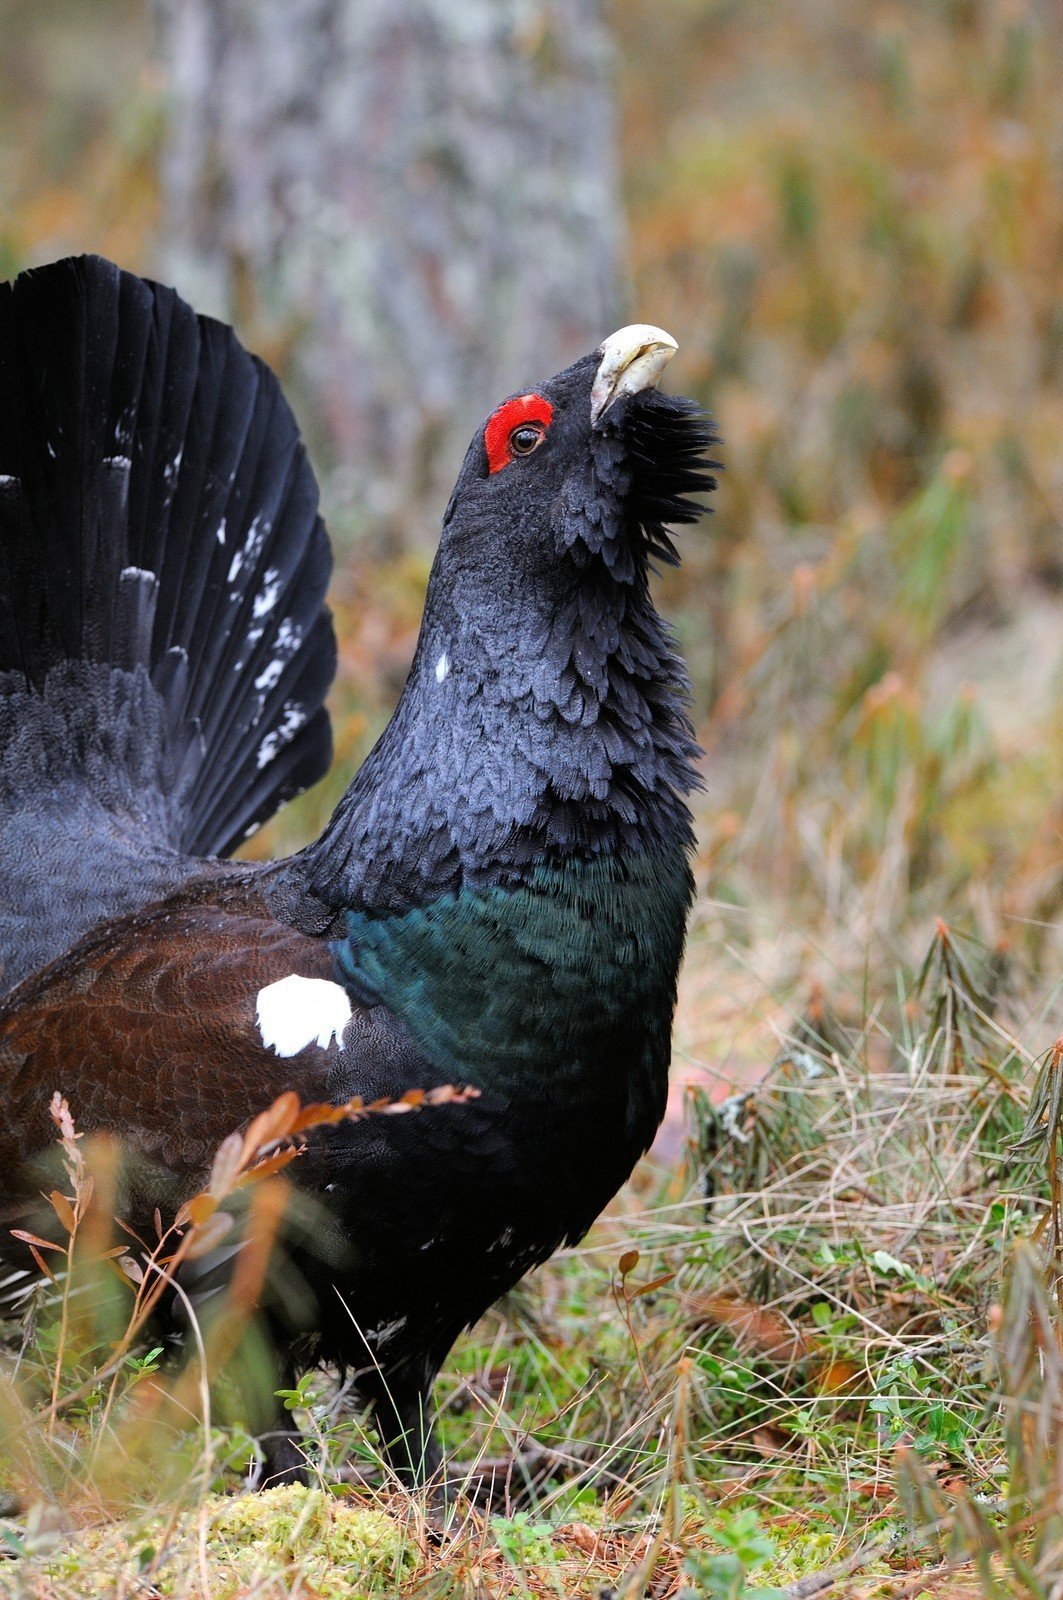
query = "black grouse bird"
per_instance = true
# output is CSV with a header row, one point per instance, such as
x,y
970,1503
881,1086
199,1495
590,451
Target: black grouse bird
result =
x,y
500,898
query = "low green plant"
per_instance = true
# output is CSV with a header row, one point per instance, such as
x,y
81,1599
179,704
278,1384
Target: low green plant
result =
x,y
744,1547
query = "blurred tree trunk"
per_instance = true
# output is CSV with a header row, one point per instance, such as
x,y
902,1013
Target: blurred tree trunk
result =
x,y
411,206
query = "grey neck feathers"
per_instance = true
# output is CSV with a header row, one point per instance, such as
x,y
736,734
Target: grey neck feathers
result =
x,y
549,728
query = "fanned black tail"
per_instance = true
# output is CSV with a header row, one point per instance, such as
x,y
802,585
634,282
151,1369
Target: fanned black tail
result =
x,y
157,511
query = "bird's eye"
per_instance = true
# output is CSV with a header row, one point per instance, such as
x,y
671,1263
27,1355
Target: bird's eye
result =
x,y
518,427
528,437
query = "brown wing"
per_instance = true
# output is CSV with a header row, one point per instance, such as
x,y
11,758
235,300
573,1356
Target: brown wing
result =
x,y
148,1027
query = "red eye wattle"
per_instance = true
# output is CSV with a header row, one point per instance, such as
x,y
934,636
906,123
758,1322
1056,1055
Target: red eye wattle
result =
x,y
526,411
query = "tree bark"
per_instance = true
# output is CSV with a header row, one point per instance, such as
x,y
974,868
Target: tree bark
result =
x,y
410,205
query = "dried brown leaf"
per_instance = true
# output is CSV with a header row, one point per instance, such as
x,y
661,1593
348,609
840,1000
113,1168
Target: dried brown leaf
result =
x,y
321,1113
582,1536
275,1123
762,1330
271,1164
836,1376
131,1268
42,1264
770,1441
199,1210
648,1288
35,1239
63,1210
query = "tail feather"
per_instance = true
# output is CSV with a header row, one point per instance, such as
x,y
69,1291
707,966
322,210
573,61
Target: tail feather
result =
x,y
157,512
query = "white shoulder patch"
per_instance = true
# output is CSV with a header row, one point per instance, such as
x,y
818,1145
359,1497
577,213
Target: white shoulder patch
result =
x,y
442,667
295,1012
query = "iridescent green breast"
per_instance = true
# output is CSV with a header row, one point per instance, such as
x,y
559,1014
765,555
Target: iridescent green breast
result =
x,y
563,986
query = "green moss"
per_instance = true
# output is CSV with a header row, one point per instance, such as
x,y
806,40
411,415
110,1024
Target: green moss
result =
x,y
337,1551
330,1541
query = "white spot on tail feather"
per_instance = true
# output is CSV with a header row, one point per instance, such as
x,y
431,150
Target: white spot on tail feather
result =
x,y
289,636
221,531
295,1012
257,534
269,675
266,599
292,719
442,667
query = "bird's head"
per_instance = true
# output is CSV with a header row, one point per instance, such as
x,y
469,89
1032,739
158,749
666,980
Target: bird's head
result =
x,y
539,601
593,463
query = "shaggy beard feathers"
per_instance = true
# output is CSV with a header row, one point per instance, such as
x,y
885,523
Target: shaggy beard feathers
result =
x,y
647,466
667,439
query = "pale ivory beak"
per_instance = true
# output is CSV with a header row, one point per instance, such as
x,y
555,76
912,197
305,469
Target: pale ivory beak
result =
x,y
633,358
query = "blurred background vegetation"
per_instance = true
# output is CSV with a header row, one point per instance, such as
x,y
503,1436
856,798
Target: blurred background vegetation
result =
x,y
851,217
